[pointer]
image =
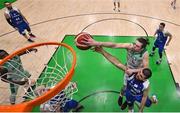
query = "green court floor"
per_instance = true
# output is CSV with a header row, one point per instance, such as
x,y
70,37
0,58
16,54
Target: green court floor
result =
x,y
99,81
2,2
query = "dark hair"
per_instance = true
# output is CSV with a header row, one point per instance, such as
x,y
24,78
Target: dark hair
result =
x,y
163,24
144,41
3,54
147,72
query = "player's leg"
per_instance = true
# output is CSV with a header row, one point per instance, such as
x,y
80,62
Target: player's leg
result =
x,y
22,31
118,5
124,105
29,32
173,4
149,101
174,7
160,51
120,99
13,89
153,49
130,107
130,99
15,81
30,84
114,2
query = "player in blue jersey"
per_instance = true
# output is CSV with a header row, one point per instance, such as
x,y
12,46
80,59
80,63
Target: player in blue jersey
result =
x,y
17,20
137,83
161,41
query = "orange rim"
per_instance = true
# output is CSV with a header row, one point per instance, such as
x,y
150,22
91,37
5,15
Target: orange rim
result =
x,y
27,106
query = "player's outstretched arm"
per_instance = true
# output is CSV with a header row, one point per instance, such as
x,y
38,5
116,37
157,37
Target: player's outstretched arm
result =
x,y
5,79
92,42
169,38
144,98
3,75
155,33
111,58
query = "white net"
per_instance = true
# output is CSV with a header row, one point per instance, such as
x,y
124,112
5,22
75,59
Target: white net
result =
x,y
57,103
22,75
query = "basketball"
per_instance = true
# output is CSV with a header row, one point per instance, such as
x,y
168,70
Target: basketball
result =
x,y
79,38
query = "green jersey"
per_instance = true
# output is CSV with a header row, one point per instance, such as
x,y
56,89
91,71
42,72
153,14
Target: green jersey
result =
x,y
15,69
135,59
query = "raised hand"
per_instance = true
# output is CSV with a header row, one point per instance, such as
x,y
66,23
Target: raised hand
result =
x,y
90,42
129,71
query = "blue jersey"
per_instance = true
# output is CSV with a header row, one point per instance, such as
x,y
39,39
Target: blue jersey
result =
x,y
15,16
161,37
136,87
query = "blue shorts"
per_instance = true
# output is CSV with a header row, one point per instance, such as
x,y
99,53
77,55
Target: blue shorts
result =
x,y
22,27
159,45
131,99
70,105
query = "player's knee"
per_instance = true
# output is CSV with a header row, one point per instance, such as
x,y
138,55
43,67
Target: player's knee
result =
x,y
28,29
23,33
130,104
160,50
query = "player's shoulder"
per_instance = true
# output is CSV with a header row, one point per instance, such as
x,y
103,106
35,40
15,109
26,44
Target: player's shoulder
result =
x,y
146,84
16,9
166,32
6,11
157,30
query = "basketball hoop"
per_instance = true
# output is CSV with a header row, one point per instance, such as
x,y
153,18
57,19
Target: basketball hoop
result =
x,y
59,61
